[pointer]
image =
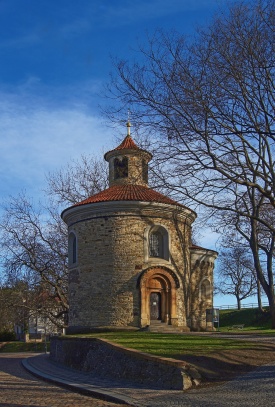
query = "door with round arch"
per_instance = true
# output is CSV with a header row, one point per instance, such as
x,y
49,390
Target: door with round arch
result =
x,y
155,306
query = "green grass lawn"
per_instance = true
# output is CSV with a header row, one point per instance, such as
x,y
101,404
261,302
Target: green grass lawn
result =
x,y
166,345
252,319
17,346
170,345
174,345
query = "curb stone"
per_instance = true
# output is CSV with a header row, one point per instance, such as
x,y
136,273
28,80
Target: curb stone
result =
x,y
84,388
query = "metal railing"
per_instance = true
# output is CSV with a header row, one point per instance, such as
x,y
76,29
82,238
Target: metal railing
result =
x,y
250,305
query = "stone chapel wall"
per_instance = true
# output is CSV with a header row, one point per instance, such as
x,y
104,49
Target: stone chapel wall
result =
x,y
103,286
115,280
202,266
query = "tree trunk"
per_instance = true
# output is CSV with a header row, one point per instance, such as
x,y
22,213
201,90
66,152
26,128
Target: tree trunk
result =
x,y
267,285
260,306
272,313
239,303
271,301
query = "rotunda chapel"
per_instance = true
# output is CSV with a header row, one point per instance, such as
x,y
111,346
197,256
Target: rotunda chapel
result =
x,y
131,259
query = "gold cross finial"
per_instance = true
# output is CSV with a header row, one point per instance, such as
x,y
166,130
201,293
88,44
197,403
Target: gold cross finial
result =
x,y
128,124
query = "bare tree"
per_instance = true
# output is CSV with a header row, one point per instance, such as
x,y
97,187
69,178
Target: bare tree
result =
x,y
78,180
236,273
240,231
34,251
8,315
208,105
34,241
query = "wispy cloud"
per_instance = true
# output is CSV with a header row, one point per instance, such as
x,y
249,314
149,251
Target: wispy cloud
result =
x,y
128,12
21,41
37,137
75,28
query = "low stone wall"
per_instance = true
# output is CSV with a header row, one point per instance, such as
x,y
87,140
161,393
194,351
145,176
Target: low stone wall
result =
x,y
110,360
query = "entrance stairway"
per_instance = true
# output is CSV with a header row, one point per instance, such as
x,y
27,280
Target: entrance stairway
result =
x,y
161,327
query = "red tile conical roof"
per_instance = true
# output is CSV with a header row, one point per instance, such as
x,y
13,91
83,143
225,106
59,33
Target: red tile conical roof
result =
x,y
127,143
129,192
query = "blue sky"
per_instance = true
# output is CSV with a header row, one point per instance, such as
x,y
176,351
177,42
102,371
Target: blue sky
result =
x,y
55,59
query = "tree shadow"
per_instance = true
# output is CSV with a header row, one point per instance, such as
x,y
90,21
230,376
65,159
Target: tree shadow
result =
x,y
228,364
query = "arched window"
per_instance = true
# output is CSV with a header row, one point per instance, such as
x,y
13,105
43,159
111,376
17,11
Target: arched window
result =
x,y
121,168
72,249
158,243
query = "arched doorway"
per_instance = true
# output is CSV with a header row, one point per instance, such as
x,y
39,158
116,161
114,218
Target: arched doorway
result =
x,y
155,306
158,296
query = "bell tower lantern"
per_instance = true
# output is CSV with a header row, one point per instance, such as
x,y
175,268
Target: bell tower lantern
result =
x,y
128,164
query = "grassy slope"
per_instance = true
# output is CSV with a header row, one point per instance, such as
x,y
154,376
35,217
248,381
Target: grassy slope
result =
x,y
250,317
23,347
172,345
165,345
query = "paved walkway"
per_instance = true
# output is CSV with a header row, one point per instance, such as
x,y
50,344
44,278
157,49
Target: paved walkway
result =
x,y
254,389
19,388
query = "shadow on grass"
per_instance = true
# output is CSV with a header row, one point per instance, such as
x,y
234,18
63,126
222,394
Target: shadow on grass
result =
x,y
225,365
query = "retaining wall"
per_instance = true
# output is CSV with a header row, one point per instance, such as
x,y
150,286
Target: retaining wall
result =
x,y
107,359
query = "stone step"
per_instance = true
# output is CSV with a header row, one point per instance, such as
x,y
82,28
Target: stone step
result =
x,y
159,327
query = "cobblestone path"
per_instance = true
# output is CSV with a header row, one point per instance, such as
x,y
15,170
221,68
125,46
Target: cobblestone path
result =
x,y
18,388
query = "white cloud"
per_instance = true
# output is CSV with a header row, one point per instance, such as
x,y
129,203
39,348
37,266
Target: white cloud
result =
x,y
37,137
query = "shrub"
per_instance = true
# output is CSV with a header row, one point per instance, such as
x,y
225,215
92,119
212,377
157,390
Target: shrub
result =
x,y
6,336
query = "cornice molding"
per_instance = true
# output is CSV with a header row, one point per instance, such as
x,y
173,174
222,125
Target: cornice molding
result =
x,y
126,208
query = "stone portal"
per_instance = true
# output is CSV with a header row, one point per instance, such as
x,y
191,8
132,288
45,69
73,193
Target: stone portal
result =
x,y
158,291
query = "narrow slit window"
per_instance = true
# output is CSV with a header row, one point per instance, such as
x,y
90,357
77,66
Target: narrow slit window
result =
x,y
145,171
72,249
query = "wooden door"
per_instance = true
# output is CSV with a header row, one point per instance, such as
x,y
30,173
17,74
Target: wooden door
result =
x,y
155,306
